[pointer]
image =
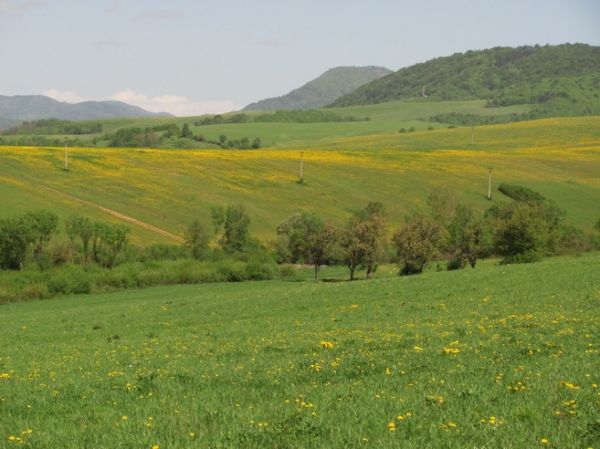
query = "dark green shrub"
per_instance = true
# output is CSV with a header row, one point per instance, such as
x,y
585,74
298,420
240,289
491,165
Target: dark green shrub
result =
x,y
230,271
519,193
71,279
260,269
455,264
525,257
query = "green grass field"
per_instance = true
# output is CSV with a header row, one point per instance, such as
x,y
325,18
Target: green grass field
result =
x,y
560,158
499,356
384,118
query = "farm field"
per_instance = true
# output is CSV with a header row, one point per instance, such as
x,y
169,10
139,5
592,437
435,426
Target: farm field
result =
x,y
560,158
499,356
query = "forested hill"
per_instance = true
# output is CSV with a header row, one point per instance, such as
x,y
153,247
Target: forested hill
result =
x,y
321,91
565,79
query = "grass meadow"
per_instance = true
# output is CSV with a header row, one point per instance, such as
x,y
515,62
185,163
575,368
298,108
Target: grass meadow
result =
x,y
168,188
499,356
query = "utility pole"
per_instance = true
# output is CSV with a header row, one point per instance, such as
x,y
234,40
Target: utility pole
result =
x,y
301,167
490,183
472,131
66,154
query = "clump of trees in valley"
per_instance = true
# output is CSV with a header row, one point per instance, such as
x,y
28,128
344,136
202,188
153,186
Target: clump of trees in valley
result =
x,y
39,257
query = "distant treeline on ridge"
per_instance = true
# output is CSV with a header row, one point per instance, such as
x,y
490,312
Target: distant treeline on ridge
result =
x,y
307,116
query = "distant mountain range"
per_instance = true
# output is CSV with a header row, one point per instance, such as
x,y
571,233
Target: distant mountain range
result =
x,y
14,110
323,90
561,80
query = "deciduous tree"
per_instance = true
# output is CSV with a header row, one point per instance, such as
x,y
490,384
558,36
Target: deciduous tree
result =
x,y
469,238
363,239
309,238
16,237
196,240
418,242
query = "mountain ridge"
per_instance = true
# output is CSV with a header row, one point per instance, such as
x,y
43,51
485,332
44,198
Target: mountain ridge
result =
x,y
321,91
36,107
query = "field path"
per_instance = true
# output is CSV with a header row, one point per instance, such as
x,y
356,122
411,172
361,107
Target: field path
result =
x,y
101,208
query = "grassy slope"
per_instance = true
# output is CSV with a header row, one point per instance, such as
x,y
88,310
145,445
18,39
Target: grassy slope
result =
x,y
560,158
385,117
494,357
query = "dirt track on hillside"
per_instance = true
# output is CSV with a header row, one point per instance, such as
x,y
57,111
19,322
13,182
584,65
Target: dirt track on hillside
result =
x,y
100,208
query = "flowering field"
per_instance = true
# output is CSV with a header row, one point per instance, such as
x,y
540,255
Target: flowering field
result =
x,y
168,189
501,356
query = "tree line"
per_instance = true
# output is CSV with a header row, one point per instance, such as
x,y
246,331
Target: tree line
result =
x,y
54,126
445,232
281,116
41,133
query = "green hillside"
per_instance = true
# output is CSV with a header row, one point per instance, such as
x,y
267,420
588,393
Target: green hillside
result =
x,y
168,188
562,80
382,118
323,90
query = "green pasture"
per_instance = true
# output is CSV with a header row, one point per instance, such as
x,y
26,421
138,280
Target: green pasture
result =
x,y
499,356
385,118
559,158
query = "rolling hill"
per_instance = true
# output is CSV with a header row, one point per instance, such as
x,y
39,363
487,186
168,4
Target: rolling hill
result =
x,y
323,90
343,167
34,107
562,80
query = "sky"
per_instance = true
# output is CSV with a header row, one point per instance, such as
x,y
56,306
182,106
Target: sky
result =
x,y
194,57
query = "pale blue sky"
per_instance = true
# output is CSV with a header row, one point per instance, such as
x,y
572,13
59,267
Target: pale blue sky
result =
x,y
191,57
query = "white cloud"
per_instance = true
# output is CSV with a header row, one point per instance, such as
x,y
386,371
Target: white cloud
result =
x,y
7,8
67,96
176,105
